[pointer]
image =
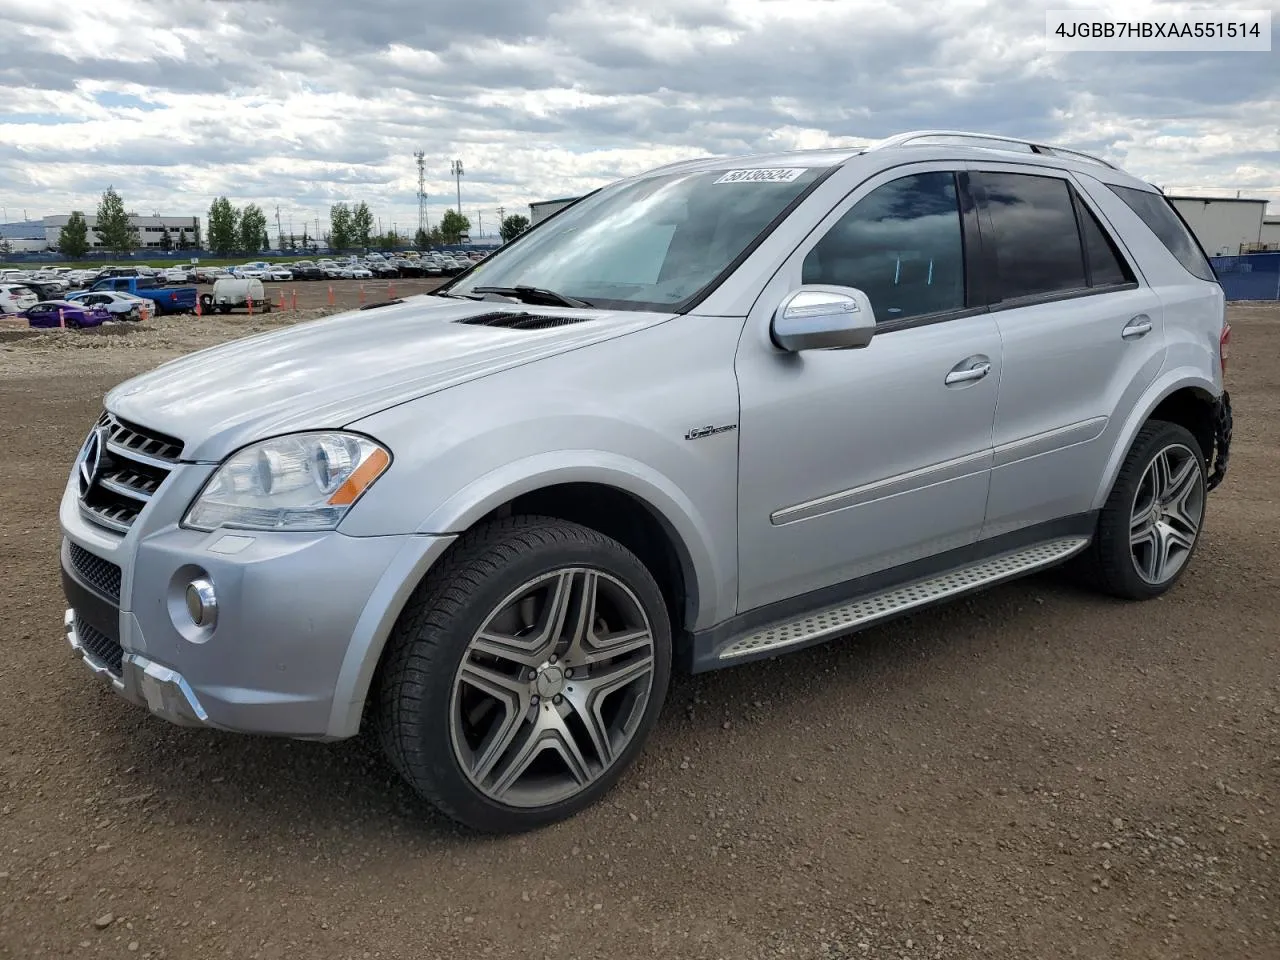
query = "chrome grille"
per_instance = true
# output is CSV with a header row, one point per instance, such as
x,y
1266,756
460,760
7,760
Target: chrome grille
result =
x,y
102,575
128,465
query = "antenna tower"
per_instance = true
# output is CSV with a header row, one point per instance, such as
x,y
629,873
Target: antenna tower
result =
x,y
422,189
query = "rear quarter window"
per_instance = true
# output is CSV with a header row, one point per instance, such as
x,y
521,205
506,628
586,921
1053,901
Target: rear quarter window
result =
x,y
1158,214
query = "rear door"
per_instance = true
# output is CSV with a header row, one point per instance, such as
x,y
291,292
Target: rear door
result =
x,y
1082,339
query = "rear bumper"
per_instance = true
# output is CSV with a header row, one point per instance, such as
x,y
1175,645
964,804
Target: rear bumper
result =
x,y
1222,426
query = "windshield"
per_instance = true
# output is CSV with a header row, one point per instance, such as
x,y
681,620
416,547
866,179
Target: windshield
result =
x,y
650,244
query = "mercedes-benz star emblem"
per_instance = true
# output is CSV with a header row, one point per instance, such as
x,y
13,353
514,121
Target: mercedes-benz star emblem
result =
x,y
91,458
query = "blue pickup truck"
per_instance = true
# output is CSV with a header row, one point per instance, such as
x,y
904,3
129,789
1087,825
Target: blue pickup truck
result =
x,y
167,299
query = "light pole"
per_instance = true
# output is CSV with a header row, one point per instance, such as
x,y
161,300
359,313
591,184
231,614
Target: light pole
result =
x,y
455,168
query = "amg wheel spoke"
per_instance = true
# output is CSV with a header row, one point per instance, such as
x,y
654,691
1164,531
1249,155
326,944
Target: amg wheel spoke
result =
x,y
1160,474
1183,481
612,646
1160,553
1143,536
526,652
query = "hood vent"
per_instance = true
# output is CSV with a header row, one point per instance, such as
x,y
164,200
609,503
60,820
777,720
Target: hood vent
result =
x,y
521,321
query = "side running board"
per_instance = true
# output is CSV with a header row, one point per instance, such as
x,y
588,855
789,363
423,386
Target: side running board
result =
x,y
897,600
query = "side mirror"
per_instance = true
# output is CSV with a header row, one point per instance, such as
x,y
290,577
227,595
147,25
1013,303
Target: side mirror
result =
x,y
823,318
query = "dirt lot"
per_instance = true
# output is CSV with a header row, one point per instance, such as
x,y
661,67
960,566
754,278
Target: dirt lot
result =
x,y
1033,773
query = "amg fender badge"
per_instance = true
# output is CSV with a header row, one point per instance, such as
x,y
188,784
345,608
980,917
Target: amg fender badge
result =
x,y
697,433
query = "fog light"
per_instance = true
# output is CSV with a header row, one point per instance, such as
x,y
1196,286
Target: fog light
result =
x,y
202,603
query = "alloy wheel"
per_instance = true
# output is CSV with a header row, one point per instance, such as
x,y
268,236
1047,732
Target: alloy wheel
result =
x,y
552,688
1167,512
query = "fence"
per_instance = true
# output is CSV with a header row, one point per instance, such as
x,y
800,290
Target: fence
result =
x,y
1253,276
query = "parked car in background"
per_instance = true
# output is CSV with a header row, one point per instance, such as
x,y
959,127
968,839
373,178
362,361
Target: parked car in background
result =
x,y
178,275
250,271
46,289
306,270
122,306
333,270
15,298
166,299
406,267
382,269
360,272
210,274
58,313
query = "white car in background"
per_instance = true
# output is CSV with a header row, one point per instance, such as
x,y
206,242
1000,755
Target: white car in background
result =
x,y
14,298
358,272
277,272
177,275
121,306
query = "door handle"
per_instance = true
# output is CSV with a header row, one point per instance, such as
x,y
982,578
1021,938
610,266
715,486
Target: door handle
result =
x,y
1139,326
967,375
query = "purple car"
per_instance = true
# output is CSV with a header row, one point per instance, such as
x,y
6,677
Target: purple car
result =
x,y
54,313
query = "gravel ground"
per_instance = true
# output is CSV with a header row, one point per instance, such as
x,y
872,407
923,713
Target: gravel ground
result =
x,y
1032,773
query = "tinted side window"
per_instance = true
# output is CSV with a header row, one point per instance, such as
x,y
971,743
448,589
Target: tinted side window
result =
x,y
1106,266
901,245
1158,214
1036,243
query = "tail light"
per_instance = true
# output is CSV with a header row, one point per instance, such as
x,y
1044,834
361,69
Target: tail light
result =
x,y
1224,347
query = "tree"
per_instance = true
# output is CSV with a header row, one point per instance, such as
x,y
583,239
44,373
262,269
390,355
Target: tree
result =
x,y
422,239
113,228
361,225
73,239
183,242
513,226
340,226
389,240
6,247
166,240
435,238
224,227
253,228
306,241
453,225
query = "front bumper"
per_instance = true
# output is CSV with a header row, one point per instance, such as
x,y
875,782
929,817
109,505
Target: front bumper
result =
x,y
1222,426
301,621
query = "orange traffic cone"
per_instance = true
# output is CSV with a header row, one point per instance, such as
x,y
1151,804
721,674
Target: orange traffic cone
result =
x,y
199,309
331,296
250,302
362,293
391,292
280,305
295,301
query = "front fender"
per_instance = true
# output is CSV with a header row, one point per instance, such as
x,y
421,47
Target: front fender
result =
x,y
664,499
1167,383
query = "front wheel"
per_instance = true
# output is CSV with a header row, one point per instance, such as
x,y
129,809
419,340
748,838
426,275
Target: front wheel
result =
x,y
1150,526
525,674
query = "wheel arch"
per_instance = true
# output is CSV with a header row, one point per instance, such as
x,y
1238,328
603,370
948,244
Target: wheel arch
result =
x,y
627,501
1181,396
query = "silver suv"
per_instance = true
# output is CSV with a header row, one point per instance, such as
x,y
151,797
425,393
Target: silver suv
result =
x,y
718,412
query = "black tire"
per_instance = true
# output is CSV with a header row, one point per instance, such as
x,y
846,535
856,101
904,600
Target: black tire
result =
x,y
1108,563
224,309
414,691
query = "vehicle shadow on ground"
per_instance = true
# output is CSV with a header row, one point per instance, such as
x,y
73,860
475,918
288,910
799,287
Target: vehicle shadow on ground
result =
x,y
221,781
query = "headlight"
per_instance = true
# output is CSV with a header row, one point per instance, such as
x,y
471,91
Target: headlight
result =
x,y
307,481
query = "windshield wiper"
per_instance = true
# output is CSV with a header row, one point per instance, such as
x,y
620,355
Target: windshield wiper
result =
x,y
526,294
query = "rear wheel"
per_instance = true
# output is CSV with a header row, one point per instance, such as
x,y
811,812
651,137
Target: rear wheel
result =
x,y
525,674
1150,526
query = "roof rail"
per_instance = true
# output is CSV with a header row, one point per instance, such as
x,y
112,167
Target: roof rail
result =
x,y
993,141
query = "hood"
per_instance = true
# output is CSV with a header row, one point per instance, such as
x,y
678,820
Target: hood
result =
x,y
331,372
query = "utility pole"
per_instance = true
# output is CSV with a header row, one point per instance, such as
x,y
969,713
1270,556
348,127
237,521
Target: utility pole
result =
x,y
479,223
455,168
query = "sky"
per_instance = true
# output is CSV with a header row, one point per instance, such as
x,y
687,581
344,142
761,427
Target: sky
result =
x,y
303,103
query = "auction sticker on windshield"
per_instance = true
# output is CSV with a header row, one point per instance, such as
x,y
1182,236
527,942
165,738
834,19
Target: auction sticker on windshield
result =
x,y
765,175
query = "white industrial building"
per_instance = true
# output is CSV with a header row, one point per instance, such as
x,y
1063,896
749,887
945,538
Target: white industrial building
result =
x,y
1225,226
150,230
544,208
36,236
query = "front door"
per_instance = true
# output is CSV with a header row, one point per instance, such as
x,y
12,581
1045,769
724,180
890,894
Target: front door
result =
x,y
853,461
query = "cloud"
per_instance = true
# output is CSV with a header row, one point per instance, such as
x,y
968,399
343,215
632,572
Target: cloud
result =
x,y
302,104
